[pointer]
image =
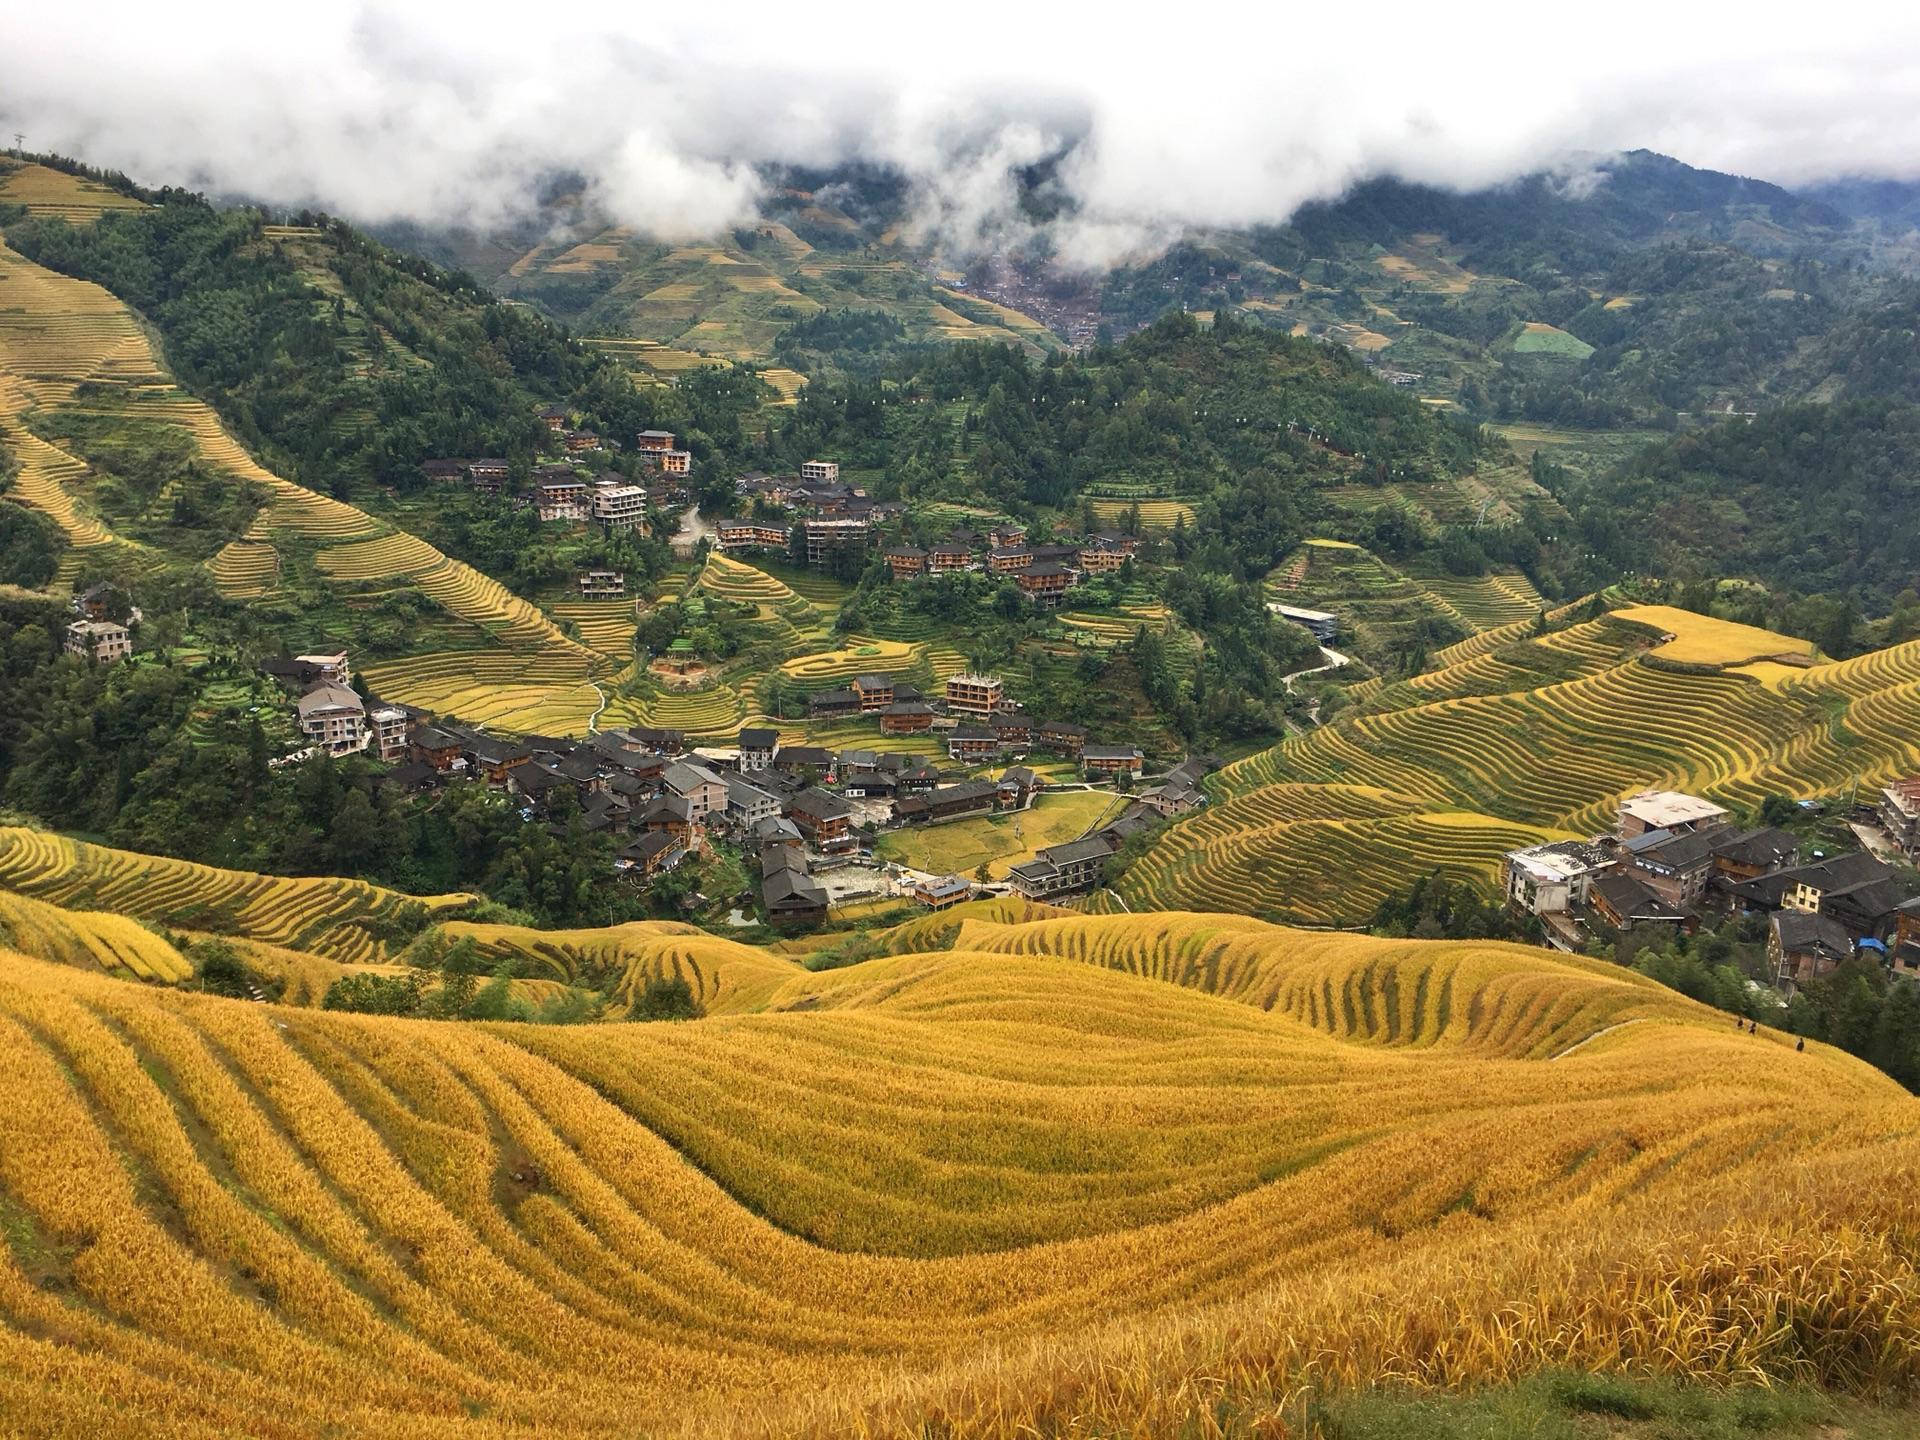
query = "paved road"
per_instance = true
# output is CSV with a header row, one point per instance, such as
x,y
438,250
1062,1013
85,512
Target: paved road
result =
x,y
1333,659
693,529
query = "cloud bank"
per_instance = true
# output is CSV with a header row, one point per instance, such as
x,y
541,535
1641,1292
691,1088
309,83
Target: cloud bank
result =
x,y
1161,119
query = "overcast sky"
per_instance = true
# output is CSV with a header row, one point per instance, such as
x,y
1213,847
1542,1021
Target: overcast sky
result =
x,y
1172,115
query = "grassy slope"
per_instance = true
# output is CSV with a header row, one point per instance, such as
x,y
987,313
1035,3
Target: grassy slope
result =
x,y
998,841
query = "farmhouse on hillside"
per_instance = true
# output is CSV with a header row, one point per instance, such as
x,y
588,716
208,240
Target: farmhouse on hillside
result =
x,y
103,641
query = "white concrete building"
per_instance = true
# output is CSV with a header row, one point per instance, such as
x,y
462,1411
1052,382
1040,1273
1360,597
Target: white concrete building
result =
x,y
103,641
334,719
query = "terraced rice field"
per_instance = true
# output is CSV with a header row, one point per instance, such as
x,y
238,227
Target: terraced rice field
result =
x,y
786,383
1157,517
825,669
1704,640
51,327
58,334
712,713
606,626
817,588
1378,604
1505,759
245,569
1487,601
950,1190
1506,634
331,917
56,195
47,475
1538,338
725,978
1321,872
549,692
863,734
795,620
1525,664
1111,630
90,939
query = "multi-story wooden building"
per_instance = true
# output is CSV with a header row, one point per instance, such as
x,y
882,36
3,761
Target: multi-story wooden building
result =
x,y
824,818
751,535
557,497
949,559
489,477
906,717
940,894
906,561
1112,760
1062,737
1804,946
979,695
433,746
947,802
1058,869
1013,728
972,744
1045,583
875,691
1009,559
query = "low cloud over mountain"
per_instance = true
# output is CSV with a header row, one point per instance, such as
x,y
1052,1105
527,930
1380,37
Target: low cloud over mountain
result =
x,y
1170,119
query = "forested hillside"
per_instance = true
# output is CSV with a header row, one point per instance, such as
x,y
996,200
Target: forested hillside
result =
x,y
1228,420
347,362
1805,498
1627,293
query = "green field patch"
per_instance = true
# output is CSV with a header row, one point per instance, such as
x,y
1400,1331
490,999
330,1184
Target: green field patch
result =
x,y
997,841
1536,338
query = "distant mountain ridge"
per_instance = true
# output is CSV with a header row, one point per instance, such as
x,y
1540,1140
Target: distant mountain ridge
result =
x,y
1551,297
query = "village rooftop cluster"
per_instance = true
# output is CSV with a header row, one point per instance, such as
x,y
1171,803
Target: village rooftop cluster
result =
x,y
813,516
796,808
567,490
1674,856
